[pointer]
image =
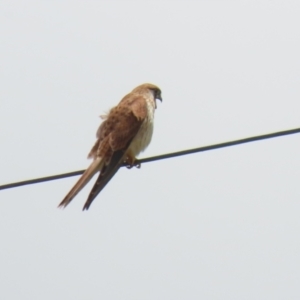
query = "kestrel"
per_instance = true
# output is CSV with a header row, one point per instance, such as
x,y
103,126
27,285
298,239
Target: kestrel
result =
x,y
125,132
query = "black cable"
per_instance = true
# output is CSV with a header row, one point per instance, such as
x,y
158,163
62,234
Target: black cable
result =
x,y
163,156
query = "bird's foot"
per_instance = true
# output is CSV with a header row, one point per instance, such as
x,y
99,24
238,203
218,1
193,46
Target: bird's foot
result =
x,y
137,164
129,162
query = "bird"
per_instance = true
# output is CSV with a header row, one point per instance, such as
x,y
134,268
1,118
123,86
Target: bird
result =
x,y
126,131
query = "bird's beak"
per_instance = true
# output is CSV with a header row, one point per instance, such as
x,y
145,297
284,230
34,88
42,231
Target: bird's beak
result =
x,y
159,98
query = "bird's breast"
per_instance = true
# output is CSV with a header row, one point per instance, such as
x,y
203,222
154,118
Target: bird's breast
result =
x,y
143,138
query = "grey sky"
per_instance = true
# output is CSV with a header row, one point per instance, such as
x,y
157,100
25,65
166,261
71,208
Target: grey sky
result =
x,y
217,225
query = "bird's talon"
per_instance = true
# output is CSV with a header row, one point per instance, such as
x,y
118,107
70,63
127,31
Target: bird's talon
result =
x,y
130,165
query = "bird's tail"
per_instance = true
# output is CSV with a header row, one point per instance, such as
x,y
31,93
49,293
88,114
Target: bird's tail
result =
x,y
94,167
104,177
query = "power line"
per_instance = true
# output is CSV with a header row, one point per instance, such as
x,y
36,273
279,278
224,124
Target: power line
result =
x,y
163,156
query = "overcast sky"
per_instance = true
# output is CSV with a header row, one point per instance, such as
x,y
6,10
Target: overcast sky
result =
x,y
223,224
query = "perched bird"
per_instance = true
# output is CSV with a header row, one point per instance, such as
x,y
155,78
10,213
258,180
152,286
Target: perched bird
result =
x,y
125,132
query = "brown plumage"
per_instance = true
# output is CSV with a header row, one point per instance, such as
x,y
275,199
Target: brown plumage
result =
x,y
125,132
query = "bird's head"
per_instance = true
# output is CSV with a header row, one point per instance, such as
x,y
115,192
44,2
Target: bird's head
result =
x,y
155,90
